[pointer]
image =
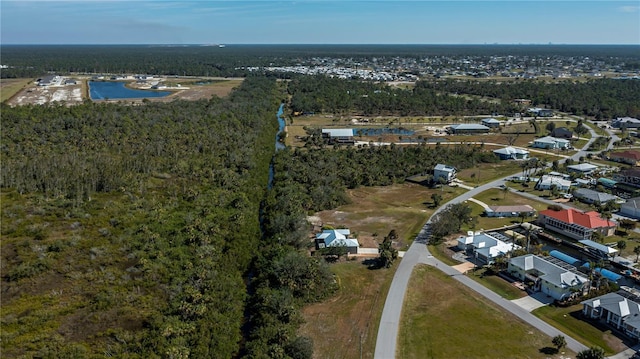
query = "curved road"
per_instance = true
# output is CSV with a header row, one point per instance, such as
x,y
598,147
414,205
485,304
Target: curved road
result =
x,y
418,253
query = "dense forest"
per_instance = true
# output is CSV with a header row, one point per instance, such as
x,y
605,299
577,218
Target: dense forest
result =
x,y
603,98
232,60
130,231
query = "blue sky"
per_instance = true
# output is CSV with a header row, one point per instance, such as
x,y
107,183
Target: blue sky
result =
x,y
319,22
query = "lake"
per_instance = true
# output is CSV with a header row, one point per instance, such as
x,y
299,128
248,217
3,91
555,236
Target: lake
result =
x,y
113,90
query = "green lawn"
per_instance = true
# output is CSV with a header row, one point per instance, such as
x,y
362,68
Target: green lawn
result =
x,y
10,87
442,318
497,285
569,321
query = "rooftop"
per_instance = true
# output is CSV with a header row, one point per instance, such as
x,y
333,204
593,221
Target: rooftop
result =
x,y
585,219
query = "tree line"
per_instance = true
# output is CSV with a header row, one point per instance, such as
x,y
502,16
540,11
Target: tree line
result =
x,y
598,98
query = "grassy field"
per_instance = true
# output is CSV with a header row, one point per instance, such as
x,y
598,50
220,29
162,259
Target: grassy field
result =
x,y
374,211
346,325
570,322
441,318
10,87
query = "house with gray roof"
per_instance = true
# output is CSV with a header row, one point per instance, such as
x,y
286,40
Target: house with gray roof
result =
x,y
562,132
625,122
510,211
511,153
620,310
559,282
338,135
547,182
631,208
467,128
337,238
590,196
551,143
447,173
583,168
491,122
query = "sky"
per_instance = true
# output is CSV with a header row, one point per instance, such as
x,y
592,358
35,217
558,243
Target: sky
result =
x,y
320,22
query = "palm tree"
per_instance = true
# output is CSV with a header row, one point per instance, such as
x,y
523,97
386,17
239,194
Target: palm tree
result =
x,y
636,250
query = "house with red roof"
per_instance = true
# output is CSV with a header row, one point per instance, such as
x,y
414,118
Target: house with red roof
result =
x,y
576,224
629,157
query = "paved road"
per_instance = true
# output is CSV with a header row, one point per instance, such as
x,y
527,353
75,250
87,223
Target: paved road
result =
x,y
418,253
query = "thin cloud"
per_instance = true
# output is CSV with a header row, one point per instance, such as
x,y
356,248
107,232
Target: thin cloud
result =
x,y
629,9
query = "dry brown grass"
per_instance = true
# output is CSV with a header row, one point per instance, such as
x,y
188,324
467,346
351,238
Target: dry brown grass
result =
x,y
10,87
340,324
374,211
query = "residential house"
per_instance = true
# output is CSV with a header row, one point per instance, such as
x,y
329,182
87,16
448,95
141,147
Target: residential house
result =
x,y
594,197
631,208
620,310
447,173
336,238
467,128
48,80
540,112
491,122
582,168
547,277
484,247
575,224
70,82
546,182
551,143
339,135
630,177
511,153
510,211
562,132
625,122
630,157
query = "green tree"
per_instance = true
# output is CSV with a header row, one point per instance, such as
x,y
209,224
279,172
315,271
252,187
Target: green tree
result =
x,y
622,244
559,342
591,353
388,254
628,224
636,251
550,126
437,199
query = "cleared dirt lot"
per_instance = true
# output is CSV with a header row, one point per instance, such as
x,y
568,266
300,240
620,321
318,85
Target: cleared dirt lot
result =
x,y
25,91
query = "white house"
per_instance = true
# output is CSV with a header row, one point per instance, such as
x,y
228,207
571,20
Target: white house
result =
x,y
338,135
549,142
547,277
546,182
336,238
485,247
512,153
445,172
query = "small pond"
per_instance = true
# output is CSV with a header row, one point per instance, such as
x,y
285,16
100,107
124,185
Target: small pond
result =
x,y
114,90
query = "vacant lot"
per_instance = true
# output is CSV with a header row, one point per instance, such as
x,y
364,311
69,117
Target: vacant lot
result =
x,y
39,95
10,87
346,325
205,89
374,211
442,318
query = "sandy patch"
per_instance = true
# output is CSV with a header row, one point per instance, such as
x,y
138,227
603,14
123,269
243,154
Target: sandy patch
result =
x,y
463,267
